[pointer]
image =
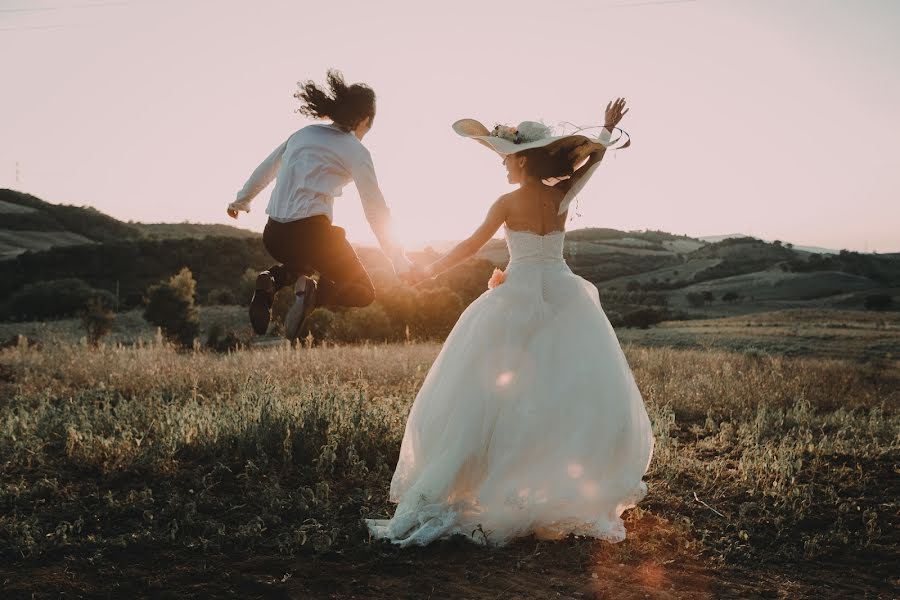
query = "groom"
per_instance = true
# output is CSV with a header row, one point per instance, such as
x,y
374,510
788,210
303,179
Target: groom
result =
x,y
310,168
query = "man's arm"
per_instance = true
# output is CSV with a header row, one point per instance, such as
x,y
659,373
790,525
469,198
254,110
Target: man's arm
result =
x,y
492,222
261,177
377,212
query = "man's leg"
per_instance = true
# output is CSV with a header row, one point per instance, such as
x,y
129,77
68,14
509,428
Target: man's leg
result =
x,y
285,243
343,281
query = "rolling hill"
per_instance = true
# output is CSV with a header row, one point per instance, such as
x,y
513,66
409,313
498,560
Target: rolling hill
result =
x,y
44,241
28,223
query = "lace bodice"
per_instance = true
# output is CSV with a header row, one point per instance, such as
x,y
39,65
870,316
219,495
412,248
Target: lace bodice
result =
x,y
528,245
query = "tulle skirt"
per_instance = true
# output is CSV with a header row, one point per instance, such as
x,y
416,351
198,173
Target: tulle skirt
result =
x,y
529,421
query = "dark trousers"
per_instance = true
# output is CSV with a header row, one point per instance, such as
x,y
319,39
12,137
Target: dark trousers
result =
x,y
314,244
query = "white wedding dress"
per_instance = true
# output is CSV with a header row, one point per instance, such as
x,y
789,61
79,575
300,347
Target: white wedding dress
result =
x,y
529,420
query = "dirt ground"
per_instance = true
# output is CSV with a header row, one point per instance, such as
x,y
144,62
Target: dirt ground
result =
x,y
528,569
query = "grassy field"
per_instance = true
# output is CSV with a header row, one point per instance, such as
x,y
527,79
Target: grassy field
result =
x,y
140,470
848,334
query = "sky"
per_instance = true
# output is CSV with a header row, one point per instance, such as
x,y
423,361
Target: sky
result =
x,y
773,118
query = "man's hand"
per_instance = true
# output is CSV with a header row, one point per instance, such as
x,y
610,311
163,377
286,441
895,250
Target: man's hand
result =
x,y
614,113
232,213
415,275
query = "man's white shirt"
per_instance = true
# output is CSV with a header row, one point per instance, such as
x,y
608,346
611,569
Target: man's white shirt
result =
x,y
310,169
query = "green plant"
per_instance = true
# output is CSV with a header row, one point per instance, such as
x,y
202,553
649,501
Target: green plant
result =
x,y
170,305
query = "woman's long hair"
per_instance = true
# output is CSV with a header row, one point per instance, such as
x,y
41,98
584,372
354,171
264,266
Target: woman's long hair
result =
x,y
556,160
346,105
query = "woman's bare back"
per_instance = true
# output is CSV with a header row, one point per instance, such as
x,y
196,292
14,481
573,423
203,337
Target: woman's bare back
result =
x,y
534,209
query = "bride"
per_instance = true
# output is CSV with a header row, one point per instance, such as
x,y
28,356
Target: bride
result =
x,y
529,420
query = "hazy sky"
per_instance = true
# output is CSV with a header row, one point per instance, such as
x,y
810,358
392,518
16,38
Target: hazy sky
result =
x,y
775,118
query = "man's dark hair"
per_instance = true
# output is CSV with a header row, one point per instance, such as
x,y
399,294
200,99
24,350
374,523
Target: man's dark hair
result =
x,y
346,105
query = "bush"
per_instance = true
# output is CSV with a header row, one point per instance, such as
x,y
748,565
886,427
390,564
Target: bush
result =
x,y
642,317
730,297
49,299
358,324
319,324
695,299
221,296
879,302
97,320
438,310
221,340
170,305
247,286
284,300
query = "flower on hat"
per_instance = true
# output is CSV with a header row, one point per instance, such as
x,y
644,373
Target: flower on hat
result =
x,y
506,132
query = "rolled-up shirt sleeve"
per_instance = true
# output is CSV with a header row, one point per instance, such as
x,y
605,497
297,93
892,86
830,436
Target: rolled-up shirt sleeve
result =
x,y
261,177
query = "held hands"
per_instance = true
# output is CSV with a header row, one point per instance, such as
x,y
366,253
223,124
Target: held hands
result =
x,y
614,113
416,275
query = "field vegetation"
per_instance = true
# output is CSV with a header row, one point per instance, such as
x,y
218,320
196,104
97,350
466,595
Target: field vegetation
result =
x,y
142,468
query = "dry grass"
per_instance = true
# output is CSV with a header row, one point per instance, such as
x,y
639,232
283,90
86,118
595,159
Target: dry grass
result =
x,y
283,451
863,336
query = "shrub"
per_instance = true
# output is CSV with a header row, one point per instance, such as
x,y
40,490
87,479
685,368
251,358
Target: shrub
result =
x,y
284,300
437,311
358,324
49,299
695,299
879,302
221,296
730,297
319,324
97,320
642,317
247,286
170,305
221,340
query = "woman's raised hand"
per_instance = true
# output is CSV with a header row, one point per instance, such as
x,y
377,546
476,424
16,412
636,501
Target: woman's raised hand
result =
x,y
614,113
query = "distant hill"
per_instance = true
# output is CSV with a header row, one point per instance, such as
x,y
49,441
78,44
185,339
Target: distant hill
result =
x,y
177,231
28,223
42,241
719,238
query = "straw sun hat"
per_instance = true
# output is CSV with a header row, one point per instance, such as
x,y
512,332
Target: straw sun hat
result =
x,y
505,140
531,134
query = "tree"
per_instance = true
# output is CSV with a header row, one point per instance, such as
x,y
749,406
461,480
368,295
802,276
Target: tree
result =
x,y
57,298
358,324
438,310
708,297
695,299
97,320
729,297
170,306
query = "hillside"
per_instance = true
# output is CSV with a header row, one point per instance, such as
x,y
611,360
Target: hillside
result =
x,y
28,223
177,231
735,275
